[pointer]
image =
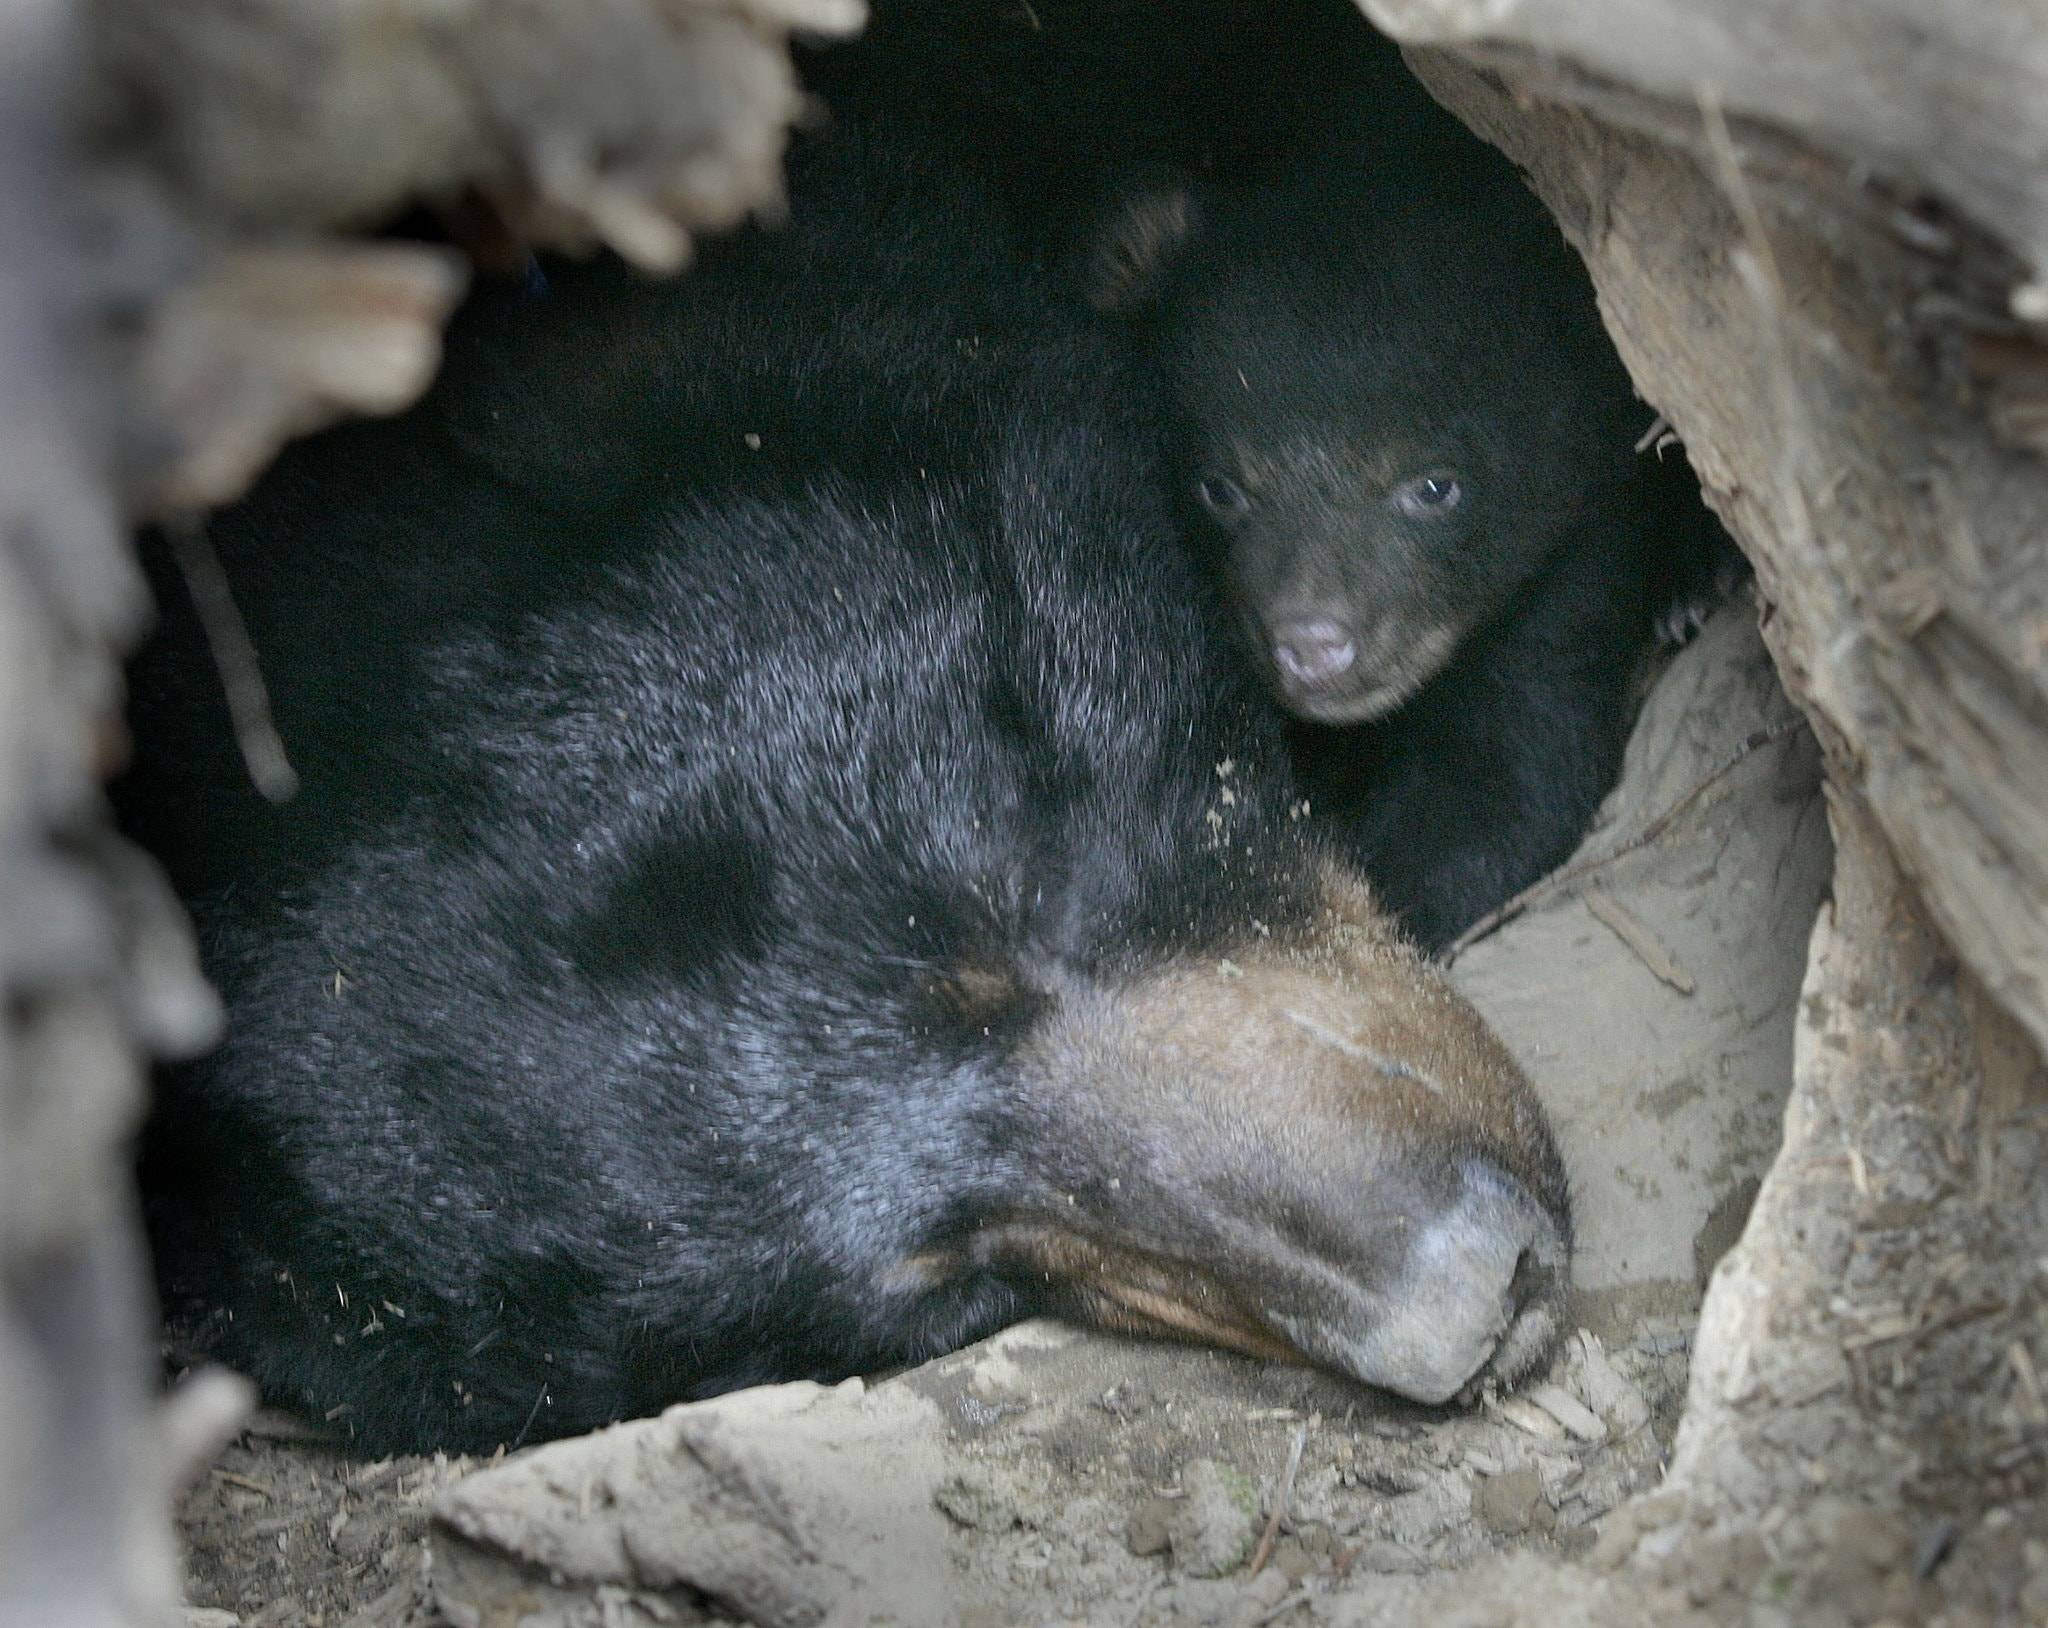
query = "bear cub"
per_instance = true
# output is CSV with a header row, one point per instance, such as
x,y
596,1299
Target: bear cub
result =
x,y
1404,441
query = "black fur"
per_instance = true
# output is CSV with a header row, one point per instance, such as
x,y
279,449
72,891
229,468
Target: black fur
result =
x,y
690,829
1326,266
1347,341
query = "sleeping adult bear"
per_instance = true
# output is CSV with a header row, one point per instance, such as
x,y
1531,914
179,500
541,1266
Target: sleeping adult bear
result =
x,y
789,875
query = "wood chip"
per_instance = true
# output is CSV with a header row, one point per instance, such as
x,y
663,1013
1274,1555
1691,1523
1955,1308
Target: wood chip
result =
x,y
1525,1415
2032,1403
1577,1419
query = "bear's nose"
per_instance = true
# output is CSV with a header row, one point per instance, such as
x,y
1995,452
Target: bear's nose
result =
x,y
1483,1289
1313,653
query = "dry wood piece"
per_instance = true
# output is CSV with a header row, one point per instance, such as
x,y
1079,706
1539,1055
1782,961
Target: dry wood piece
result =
x,y
267,343
1283,1496
1951,100
627,122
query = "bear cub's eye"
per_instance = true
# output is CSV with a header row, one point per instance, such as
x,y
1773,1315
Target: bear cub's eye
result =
x,y
1428,496
1223,497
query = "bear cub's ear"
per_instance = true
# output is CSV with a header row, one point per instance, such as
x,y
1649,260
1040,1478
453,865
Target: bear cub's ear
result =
x,y
1141,238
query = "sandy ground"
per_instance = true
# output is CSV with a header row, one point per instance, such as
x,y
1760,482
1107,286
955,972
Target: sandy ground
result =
x,y
1048,1476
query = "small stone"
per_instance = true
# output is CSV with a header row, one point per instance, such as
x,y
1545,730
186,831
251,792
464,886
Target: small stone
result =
x,y
974,1504
1211,1528
1147,1533
1379,1555
1266,1589
1513,1503
1202,1603
200,1616
1883,1542
358,1539
1420,1517
1293,1561
1618,1538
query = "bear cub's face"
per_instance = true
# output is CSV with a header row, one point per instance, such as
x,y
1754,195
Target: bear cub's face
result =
x,y
1391,411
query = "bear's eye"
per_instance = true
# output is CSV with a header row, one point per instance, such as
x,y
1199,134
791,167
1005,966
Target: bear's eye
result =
x,y
1428,496
1223,497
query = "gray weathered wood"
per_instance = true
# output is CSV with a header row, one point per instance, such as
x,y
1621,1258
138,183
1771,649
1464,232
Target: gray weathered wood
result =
x,y
168,314
1818,365
93,964
1949,96
633,121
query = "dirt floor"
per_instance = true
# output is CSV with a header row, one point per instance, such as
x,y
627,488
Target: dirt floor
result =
x,y
1075,1474
1048,1476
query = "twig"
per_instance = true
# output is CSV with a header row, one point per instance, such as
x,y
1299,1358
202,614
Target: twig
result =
x,y
1558,881
1343,1563
1913,1333
535,1414
1282,1497
2029,1378
234,654
1657,437
372,1476
1639,940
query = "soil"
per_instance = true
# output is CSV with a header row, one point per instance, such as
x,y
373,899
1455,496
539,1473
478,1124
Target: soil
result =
x,y
1068,1473
1050,1476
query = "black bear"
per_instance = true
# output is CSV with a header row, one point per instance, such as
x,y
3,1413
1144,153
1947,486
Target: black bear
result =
x,y
790,874
1405,443
1404,440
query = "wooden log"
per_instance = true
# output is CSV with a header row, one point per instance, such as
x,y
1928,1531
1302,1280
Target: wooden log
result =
x,y
1947,100
1823,360
172,307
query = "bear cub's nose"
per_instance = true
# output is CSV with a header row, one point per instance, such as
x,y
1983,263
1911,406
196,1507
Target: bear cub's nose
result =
x,y
1314,652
